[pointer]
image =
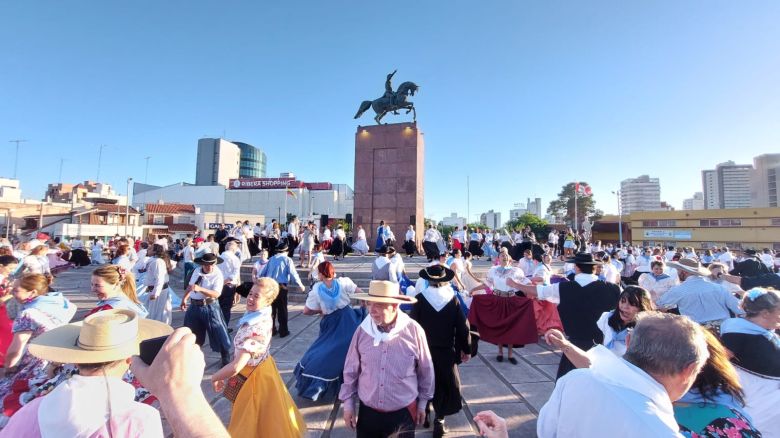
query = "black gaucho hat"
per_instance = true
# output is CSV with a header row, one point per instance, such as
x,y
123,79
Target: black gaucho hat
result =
x,y
437,274
583,258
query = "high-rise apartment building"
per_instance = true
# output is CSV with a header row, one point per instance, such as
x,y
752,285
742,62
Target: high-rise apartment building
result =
x,y
727,186
765,181
709,183
491,219
218,162
253,161
640,194
695,203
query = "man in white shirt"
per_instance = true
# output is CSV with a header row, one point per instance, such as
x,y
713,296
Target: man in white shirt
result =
x,y
162,241
632,395
726,258
203,314
767,259
231,272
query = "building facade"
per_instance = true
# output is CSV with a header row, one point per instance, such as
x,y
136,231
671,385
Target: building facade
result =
x,y
737,228
640,194
454,221
694,203
253,161
491,219
765,180
218,162
727,186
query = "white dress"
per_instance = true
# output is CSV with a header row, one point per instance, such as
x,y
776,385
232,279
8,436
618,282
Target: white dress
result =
x,y
156,277
361,245
97,254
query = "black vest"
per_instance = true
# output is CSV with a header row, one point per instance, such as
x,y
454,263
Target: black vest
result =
x,y
581,307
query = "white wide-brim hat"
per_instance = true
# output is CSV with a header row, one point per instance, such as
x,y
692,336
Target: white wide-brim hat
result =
x,y
381,291
690,266
105,336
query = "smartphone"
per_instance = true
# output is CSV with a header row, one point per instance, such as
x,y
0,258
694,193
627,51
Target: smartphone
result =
x,y
150,347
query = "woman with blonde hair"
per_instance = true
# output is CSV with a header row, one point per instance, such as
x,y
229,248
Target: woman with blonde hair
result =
x,y
115,289
41,311
263,406
37,262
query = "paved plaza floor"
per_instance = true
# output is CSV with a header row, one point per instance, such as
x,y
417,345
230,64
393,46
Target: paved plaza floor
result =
x,y
516,392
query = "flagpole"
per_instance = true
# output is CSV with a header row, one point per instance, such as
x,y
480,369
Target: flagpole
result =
x,y
576,189
286,189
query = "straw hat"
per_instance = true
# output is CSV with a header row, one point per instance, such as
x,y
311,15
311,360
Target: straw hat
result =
x,y
381,291
690,266
104,336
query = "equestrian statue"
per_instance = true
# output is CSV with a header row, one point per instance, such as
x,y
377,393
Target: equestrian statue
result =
x,y
391,101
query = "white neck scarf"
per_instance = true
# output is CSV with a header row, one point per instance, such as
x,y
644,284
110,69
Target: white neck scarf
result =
x,y
369,326
438,297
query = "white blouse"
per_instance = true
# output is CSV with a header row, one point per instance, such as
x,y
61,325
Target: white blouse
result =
x,y
346,289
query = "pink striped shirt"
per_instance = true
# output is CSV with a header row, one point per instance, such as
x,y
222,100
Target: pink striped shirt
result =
x,y
390,376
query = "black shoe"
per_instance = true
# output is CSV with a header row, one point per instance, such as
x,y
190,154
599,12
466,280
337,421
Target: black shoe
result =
x,y
439,430
274,332
500,358
284,334
513,361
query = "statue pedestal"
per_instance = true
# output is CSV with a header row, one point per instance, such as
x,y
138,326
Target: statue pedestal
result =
x,y
389,179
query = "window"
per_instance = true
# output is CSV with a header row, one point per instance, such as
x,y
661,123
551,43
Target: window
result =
x,y
720,222
776,221
660,223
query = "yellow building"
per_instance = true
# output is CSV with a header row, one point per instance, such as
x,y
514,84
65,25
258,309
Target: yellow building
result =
x,y
738,228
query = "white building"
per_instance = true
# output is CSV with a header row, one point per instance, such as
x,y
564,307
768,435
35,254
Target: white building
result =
x,y
218,162
709,182
695,203
640,194
454,221
273,197
9,190
534,207
518,211
206,198
491,219
729,183
765,180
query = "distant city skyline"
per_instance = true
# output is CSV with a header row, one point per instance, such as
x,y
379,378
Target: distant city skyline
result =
x,y
521,97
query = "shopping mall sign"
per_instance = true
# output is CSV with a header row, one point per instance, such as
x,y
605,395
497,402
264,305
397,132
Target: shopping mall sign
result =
x,y
264,183
668,234
276,183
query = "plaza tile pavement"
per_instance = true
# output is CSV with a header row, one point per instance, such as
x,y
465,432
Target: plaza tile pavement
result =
x,y
516,392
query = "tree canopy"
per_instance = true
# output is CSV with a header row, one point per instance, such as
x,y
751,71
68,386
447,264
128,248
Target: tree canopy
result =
x,y
563,207
538,226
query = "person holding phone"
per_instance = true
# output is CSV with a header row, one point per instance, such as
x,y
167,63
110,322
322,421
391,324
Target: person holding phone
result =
x,y
263,407
101,346
203,314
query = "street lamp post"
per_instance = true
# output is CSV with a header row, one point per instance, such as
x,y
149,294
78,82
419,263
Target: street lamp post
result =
x,y
16,157
100,158
620,217
127,205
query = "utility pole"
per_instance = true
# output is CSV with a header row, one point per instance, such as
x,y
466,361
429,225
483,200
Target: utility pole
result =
x,y
127,205
100,157
468,201
146,172
16,157
59,179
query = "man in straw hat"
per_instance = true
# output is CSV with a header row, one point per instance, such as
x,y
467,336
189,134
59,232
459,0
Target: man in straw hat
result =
x,y
695,297
281,268
580,304
95,402
203,314
388,367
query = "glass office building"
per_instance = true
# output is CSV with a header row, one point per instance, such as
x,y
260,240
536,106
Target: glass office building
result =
x,y
253,161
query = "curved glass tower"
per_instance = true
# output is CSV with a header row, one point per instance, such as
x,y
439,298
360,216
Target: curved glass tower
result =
x,y
252,161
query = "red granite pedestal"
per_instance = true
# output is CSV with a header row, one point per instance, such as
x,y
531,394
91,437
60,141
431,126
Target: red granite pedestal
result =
x,y
389,179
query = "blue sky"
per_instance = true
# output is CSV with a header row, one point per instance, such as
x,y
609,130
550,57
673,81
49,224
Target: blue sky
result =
x,y
522,96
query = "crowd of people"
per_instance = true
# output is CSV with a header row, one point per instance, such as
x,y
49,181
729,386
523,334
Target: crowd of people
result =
x,y
686,342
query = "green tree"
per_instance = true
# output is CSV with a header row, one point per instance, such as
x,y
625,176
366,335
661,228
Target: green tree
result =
x,y
538,226
563,207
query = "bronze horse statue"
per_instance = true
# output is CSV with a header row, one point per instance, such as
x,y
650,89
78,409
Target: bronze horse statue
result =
x,y
391,102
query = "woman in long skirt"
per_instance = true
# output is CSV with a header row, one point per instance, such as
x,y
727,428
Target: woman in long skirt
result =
x,y
97,253
410,246
263,407
337,248
318,373
361,244
438,312
158,293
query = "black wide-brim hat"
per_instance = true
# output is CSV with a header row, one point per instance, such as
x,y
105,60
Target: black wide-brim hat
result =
x,y
437,274
231,239
208,259
583,258
386,250
751,251
282,246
